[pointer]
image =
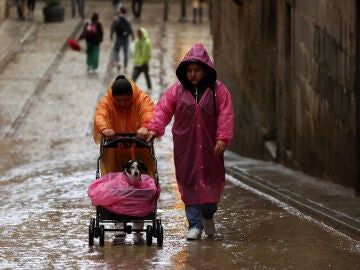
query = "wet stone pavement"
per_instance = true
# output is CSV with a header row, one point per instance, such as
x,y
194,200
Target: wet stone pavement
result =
x,y
48,160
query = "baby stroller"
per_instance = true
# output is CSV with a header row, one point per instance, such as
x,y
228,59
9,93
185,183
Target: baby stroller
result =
x,y
122,148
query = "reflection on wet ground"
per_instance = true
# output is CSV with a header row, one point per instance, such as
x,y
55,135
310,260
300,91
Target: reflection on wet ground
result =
x,y
45,214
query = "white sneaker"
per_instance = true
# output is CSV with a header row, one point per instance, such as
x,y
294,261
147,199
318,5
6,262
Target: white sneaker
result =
x,y
209,226
193,234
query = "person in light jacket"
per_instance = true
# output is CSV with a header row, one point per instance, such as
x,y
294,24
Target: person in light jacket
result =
x,y
203,127
142,56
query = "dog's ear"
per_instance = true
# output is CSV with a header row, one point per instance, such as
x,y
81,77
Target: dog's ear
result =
x,y
127,165
142,166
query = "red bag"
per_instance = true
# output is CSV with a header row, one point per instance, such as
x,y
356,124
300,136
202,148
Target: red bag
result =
x,y
74,44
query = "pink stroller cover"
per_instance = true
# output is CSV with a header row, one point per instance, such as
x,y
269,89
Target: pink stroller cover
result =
x,y
116,193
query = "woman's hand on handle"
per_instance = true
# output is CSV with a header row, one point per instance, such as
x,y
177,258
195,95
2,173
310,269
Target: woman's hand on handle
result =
x,y
108,133
142,133
151,134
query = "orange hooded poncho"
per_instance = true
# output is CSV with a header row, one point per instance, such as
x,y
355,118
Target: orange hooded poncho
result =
x,y
107,116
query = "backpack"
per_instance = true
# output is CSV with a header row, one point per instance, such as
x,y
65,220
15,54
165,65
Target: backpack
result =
x,y
91,29
122,27
92,32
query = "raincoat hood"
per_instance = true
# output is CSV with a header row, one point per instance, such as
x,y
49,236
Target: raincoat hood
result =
x,y
144,33
197,54
142,53
135,90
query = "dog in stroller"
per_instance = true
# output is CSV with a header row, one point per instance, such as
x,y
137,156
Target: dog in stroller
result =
x,y
133,170
126,196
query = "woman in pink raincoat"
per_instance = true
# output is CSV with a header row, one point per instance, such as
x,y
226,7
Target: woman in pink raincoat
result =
x,y
203,127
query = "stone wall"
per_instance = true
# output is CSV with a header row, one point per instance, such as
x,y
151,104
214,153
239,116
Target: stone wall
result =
x,y
290,67
2,10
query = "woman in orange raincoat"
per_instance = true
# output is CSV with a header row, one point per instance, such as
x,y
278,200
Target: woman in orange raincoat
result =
x,y
125,108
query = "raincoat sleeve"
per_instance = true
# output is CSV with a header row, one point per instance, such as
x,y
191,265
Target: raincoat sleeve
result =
x,y
147,55
101,117
225,121
147,110
164,111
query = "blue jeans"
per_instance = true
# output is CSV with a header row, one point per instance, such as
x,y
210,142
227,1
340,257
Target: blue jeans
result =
x,y
197,212
121,42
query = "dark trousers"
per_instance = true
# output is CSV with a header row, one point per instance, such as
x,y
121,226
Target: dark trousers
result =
x,y
138,70
136,8
21,8
80,5
31,5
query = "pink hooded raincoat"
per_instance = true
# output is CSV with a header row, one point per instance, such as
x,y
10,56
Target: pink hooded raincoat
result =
x,y
200,172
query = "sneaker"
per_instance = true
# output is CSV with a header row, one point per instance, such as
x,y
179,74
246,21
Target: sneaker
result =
x,y
118,67
193,234
209,226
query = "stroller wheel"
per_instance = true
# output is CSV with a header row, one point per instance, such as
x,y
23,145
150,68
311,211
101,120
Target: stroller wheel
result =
x,y
160,233
102,236
149,235
91,232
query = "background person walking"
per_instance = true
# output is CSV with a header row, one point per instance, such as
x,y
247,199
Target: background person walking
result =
x,y
21,6
93,34
198,6
117,4
142,56
123,30
31,7
136,8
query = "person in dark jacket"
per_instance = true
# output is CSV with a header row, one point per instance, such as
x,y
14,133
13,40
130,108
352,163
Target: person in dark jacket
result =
x,y
93,34
122,29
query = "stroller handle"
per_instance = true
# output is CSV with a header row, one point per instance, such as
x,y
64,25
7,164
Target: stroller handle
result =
x,y
125,138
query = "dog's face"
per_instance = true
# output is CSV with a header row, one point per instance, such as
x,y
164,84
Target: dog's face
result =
x,y
133,170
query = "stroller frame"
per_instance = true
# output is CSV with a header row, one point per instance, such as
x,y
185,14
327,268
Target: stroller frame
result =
x,y
97,227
